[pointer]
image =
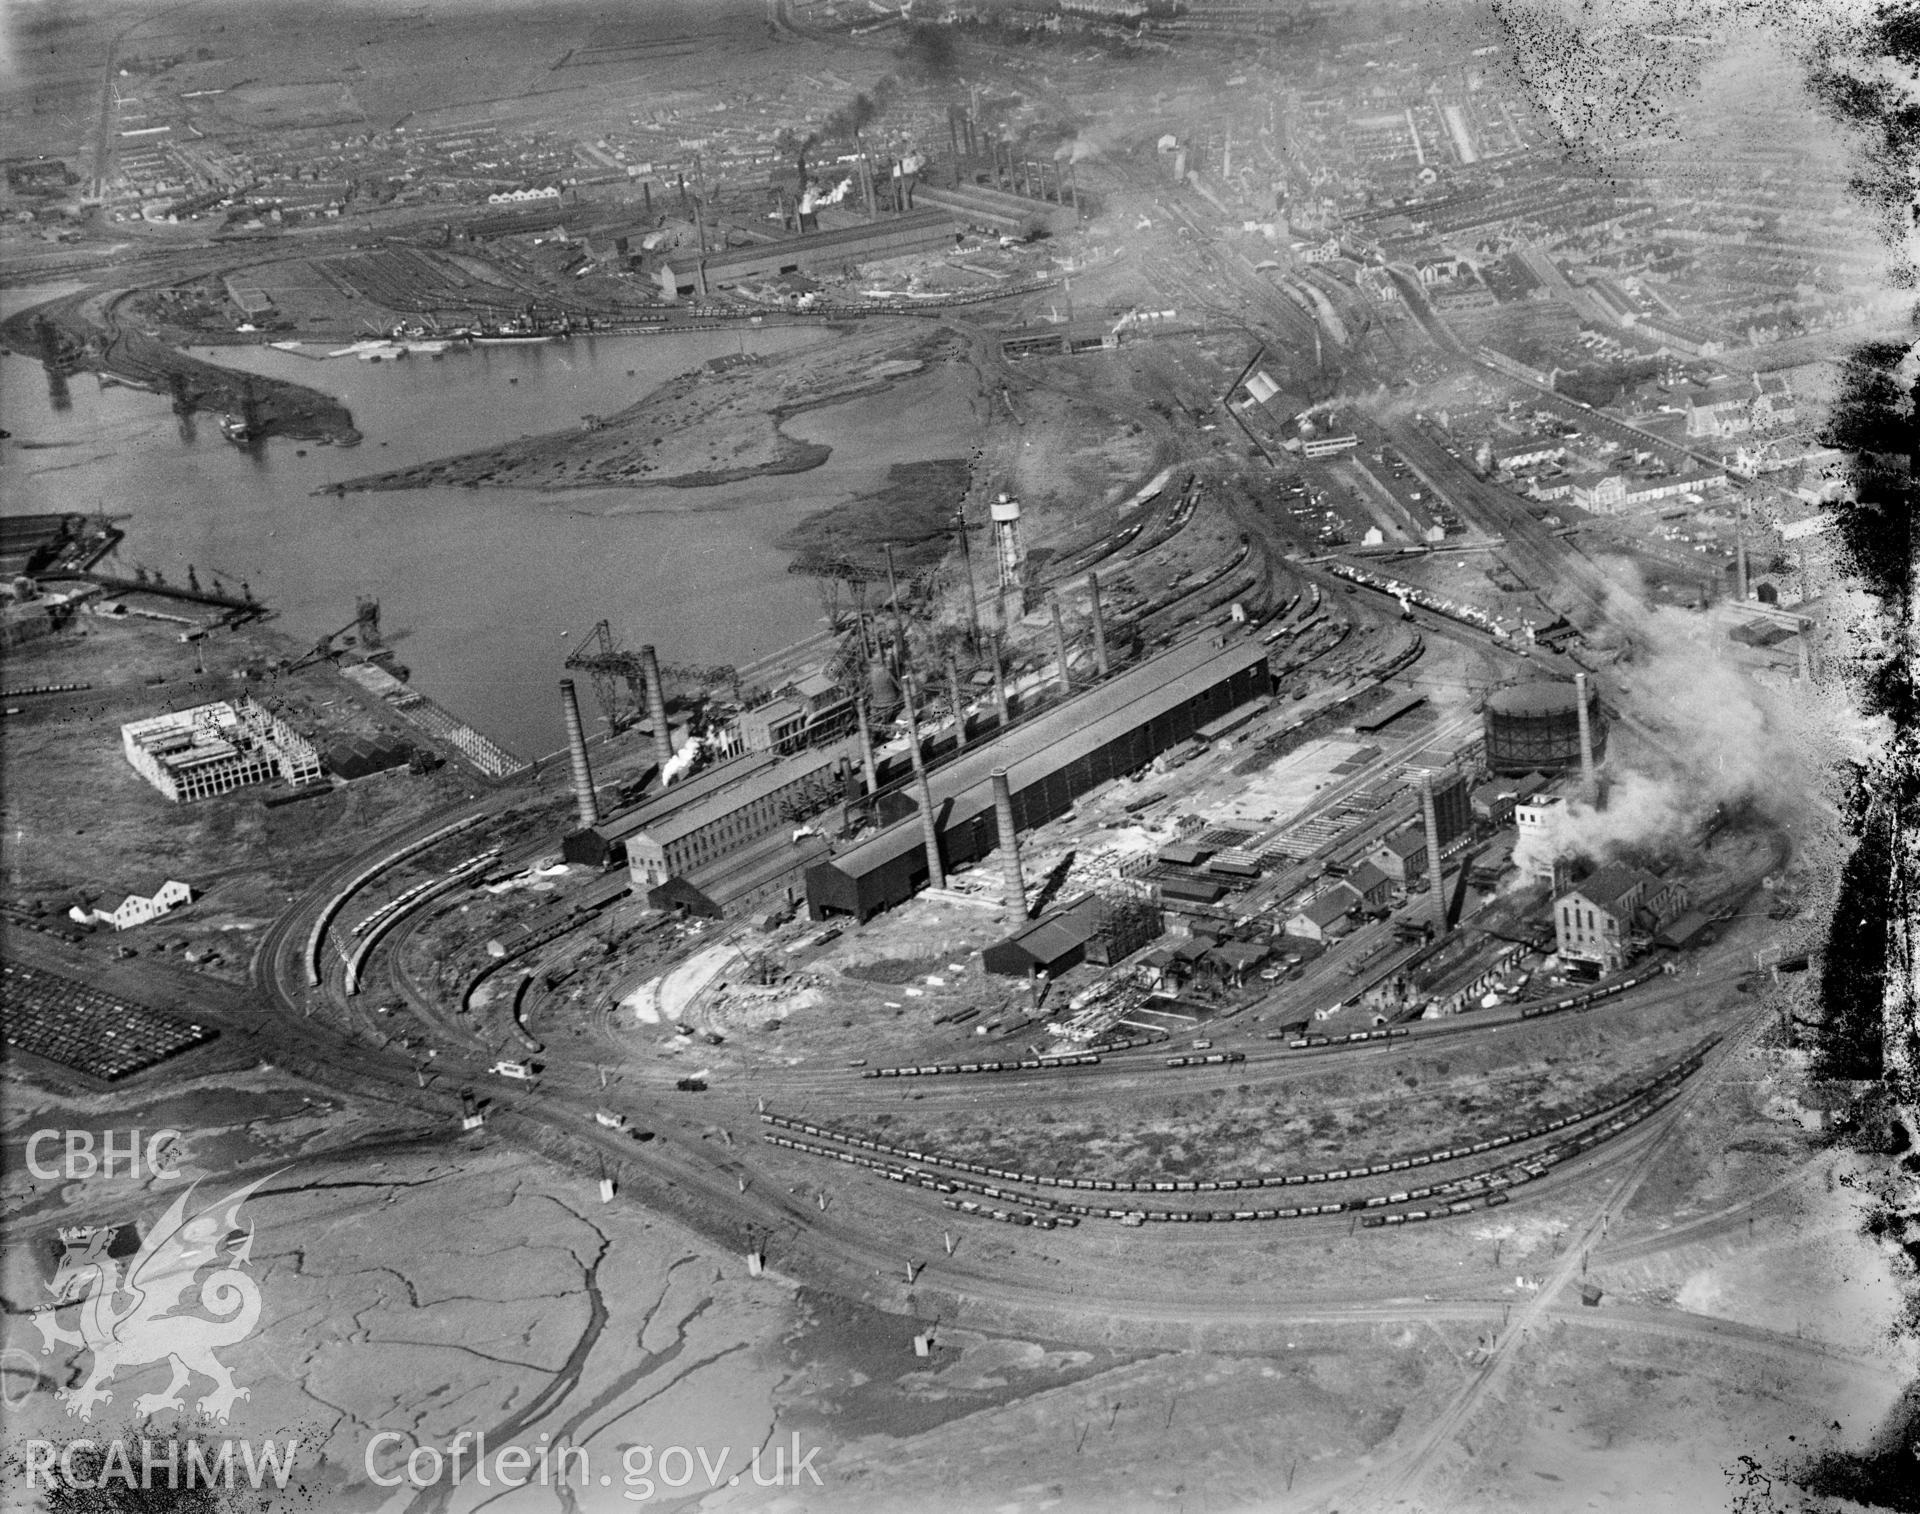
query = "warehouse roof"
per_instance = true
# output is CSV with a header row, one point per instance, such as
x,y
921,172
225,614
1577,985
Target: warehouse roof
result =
x,y
1335,904
1388,713
814,243
1608,885
1365,878
1058,736
737,796
679,795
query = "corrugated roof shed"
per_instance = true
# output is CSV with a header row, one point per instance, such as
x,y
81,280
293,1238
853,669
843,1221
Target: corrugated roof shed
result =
x,y
679,795
962,788
735,796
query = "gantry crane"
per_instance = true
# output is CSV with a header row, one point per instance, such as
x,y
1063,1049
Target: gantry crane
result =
x,y
605,662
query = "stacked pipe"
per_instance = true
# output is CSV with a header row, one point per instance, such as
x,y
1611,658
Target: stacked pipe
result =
x,y
577,749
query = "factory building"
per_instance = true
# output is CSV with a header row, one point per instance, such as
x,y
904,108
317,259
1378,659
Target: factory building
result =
x,y
768,874
1088,930
605,842
1495,800
688,277
159,897
1535,728
1402,853
810,710
215,748
1113,729
713,826
1008,214
1327,916
1595,922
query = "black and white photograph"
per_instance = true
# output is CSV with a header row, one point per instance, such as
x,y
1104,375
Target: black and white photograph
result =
x,y
959,756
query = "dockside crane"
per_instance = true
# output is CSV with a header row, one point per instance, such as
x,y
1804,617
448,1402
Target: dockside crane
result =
x,y
606,663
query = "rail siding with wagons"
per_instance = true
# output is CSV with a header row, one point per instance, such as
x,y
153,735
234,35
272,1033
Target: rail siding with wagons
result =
x,y
1485,1188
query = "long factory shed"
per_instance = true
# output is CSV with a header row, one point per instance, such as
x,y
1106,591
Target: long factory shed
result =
x,y
1111,730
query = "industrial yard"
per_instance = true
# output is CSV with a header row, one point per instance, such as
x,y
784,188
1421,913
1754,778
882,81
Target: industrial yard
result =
x,y
1202,819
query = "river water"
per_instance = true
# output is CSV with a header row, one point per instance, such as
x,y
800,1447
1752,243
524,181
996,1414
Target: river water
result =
x,y
476,586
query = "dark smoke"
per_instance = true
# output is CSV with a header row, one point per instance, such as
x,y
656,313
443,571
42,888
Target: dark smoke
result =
x,y
928,54
856,115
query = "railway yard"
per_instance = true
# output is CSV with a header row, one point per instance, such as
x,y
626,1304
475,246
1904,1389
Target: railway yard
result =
x,y
1136,1037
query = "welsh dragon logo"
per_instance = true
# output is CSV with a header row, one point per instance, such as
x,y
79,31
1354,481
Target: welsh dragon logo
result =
x,y
146,1317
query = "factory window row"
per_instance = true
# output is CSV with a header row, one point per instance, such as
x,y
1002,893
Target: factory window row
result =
x,y
732,831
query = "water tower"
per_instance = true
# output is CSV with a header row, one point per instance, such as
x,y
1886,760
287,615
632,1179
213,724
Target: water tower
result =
x,y
1005,512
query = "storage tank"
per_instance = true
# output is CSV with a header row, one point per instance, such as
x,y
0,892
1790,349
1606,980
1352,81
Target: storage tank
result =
x,y
1535,728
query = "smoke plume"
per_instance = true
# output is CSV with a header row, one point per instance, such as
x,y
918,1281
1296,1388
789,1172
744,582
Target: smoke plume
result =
x,y
1696,733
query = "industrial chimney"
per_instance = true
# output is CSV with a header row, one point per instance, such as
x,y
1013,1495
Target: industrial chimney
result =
x,y
1589,785
1435,873
1060,647
577,750
657,710
1100,663
929,830
1740,553
1009,840
866,742
959,700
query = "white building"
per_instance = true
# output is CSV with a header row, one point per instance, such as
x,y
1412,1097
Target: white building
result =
x,y
214,748
138,906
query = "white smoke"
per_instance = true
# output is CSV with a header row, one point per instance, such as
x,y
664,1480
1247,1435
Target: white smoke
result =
x,y
813,199
682,761
1696,733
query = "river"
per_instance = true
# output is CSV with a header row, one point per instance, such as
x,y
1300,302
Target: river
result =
x,y
476,587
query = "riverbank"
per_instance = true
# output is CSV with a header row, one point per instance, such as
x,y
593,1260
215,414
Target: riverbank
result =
x,y
67,340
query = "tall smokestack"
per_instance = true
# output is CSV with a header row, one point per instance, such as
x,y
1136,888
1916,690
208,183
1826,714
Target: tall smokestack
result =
x,y
1740,553
700,227
1588,785
1000,684
1060,647
929,831
1009,841
646,195
1099,627
657,709
1073,183
1431,816
959,700
577,750
973,589
866,741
